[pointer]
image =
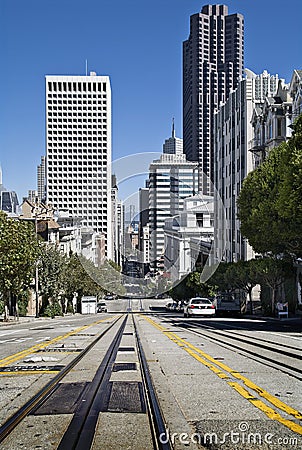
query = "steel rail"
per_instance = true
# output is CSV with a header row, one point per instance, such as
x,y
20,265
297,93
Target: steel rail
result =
x,y
48,389
80,433
257,341
290,370
156,418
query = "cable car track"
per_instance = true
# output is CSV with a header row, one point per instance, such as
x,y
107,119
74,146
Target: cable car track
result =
x,y
81,430
216,336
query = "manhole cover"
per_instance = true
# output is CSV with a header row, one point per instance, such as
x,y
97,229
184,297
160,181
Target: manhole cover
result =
x,y
127,396
126,349
117,367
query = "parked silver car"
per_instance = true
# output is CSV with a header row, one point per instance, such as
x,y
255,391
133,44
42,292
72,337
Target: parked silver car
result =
x,y
101,307
198,306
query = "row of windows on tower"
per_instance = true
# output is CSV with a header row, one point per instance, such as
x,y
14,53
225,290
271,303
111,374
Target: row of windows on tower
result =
x,y
56,108
75,109
85,120
78,101
53,123
64,86
59,145
75,130
76,136
78,95
68,124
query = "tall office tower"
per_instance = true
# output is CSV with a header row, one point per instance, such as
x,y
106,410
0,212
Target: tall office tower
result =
x,y
265,84
41,179
233,160
143,229
78,145
120,233
212,67
8,199
173,145
32,196
114,201
171,179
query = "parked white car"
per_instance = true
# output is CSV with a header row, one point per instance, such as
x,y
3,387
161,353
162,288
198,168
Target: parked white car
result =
x,y
198,306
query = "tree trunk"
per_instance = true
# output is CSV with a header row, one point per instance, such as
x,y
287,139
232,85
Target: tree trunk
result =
x,y
273,300
6,297
251,301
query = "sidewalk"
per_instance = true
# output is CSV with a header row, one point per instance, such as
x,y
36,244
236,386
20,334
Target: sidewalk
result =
x,y
26,319
258,313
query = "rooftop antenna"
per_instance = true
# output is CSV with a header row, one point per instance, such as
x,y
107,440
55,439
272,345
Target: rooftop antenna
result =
x,y
173,128
86,67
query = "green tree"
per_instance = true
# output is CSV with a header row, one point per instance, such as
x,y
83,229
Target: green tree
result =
x,y
222,280
272,272
51,270
19,250
270,201
80,277
244,275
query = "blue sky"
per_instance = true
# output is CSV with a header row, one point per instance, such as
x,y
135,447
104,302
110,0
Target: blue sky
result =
x,y
138,43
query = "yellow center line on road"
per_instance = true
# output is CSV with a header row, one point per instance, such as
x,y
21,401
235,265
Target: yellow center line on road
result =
x,y
27,372
20,355
270,412
212,364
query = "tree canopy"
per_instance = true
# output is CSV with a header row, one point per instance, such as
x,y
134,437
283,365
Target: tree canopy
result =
x,y
270,201
19,249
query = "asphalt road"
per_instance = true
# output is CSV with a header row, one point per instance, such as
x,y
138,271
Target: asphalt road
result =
x,y
216,386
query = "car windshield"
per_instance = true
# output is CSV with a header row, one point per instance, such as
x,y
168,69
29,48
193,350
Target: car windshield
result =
x,y
201,301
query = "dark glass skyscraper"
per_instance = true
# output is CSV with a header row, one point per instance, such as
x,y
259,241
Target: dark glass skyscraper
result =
x,y
212,68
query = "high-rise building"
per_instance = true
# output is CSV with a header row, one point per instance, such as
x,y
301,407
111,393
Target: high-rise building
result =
x,y
212,68
173,145
233,160
8,199
41,179
78,149
171,179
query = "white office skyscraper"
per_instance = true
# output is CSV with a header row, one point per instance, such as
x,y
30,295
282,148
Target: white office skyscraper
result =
x,y
171,179
78,149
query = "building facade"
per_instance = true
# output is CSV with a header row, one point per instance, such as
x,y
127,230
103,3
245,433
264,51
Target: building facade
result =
x,y
295,91
78,150
233,161
117,224
173,145
171,179
189,237
41,179
143,230
8,199
212,68
271,122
